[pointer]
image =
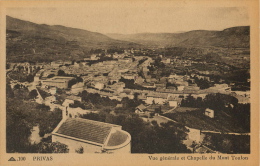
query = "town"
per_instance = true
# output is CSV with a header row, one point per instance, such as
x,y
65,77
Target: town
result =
x,y
160,90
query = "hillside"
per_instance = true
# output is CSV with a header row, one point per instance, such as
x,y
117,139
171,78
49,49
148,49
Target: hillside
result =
x,y
230,37
27,41
39,42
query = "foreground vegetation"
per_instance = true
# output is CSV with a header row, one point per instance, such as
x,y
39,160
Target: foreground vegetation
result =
x,y
231,144
229,115
146,137
22,114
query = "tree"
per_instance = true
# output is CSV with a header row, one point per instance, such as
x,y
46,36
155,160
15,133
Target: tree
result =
x,y
151,114
158,110
72,82
30,78
79,79
22,93
49,121
21,116
107,110
80,150
17,86
91,116
9,91
18,129
136,96
61,73
203,84
147,138
208,141
33,94
51,75
84,96
54,147
125,102
7,66
154,123
241,114
219,101
226,143
77,104
190,101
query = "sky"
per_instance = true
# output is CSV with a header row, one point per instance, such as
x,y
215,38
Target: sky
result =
x,y
131,19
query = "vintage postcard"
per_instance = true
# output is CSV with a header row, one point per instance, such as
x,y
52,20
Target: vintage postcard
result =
x,y
129,82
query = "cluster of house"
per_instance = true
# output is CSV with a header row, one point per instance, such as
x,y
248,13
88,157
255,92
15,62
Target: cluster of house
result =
x,y
84,135
104,78
26,66
177,61
110,86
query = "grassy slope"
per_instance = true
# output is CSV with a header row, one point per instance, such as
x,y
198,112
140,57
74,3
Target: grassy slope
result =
x,y
196,119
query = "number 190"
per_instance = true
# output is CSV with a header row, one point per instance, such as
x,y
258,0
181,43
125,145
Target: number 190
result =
x,y
21,158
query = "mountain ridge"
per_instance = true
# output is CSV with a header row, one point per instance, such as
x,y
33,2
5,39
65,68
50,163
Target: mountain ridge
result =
x,y
39,42
229,37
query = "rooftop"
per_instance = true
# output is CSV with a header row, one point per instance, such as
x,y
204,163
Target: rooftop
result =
x,y
85,129
141,106
102,134
117,138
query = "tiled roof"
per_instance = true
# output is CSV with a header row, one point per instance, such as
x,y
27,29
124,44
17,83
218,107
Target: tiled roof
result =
x,y
158,95
86,129
72,97
172,98
117,138
141,106
42,93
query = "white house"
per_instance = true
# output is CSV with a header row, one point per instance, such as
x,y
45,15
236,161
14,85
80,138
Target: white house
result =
x,y
53,90
194,134
67,102
76,112
157,98
76,88
99,85
140,109
148,85
92,136
180,87
173,103
209,112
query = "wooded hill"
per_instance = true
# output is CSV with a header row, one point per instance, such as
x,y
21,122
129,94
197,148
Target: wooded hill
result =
x,y
237,37
41,42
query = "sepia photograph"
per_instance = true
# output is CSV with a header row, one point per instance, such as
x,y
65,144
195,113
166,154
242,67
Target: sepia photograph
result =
x,y
100,78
